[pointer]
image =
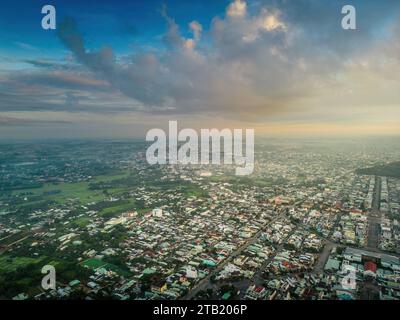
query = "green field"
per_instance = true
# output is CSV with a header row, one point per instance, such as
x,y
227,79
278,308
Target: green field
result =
x,y
387,170
62,192
120,183
114,210
194,191
81,222
96,263
109,178
93,263
9,264
65,191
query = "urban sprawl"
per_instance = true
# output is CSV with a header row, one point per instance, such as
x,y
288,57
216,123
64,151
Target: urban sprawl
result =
x,y
115,227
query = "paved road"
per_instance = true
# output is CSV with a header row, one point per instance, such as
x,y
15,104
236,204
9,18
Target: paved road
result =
x,y
374,217
323,256
328,246
205,282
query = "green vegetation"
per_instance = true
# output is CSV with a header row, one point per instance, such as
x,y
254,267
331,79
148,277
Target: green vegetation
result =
x,y
117,208
61,193
96,263
111,177
10,264
93,263
388,170
81,222
194,191
40,197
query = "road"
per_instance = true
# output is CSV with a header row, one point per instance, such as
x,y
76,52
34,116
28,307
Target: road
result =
x,y
323,256
205,282
374,218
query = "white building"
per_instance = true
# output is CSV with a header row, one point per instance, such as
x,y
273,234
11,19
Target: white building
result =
x,y
157,213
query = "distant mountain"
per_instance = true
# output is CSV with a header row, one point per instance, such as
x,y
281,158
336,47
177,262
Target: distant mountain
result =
x,y
388,170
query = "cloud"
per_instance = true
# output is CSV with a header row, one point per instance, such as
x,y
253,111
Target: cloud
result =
x,y
56,79
49,64
34,99
25,46
197,29
71,100
187,79
258,61
12,122
237,9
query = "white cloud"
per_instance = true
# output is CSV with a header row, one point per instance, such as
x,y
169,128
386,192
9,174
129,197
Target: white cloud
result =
x,y
197,29
237,8
252,64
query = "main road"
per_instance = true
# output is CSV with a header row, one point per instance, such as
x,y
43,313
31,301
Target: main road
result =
x,y
205,282
374,217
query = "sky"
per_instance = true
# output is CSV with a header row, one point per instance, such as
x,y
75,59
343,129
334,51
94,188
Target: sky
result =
x,y
115,69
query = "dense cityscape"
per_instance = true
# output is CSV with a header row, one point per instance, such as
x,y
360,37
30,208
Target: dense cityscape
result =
x,y
318,219
187,159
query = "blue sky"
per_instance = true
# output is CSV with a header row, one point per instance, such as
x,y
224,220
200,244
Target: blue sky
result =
x,y
112,22
280,66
